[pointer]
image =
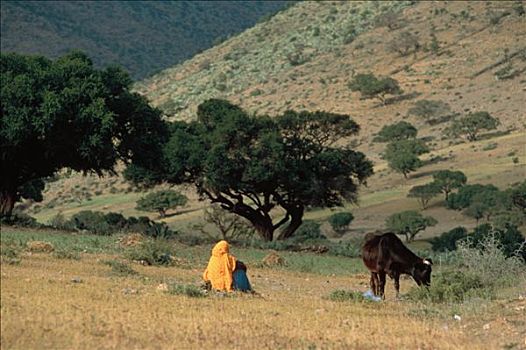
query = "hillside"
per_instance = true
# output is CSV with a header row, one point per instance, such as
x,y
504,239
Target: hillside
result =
x,y
304,58
143,36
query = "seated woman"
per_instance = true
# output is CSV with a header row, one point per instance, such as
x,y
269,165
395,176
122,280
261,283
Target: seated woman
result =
x,y
224,271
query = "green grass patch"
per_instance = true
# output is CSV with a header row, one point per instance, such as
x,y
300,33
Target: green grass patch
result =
x,y
188,290
119,268
346,295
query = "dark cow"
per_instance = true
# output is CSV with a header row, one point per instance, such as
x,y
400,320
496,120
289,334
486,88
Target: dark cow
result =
x,y
386,254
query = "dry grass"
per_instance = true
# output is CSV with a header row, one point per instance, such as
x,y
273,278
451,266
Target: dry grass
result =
x,y
41,308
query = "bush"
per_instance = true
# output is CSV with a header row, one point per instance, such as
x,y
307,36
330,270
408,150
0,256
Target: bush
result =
x,y
20,219
488,260
188,290
508,240
350,249
92,221
447,241
404,44
463,198
340,221
66,254
152,252
451,287
119,268
308,231
344,295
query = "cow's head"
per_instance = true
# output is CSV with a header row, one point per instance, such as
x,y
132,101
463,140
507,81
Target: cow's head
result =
x,y
422,272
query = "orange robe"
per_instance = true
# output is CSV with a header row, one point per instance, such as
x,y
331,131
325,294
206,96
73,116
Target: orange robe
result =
x,y
220,267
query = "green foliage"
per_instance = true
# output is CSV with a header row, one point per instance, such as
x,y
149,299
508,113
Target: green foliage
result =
x,y
370,86
67,114
451,287
517,196
472,124
161,201
409,223
161,34
429,110
447,241
119,268
308,231
157,252
188,290
509,241
424,193
396,132
20,219
251,165
464,197
448,180
340,221
402,156
345,295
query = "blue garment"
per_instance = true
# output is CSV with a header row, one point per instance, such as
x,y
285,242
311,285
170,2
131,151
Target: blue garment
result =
x,y
241,281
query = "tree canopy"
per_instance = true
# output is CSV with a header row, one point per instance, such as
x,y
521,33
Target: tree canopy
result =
x,y
370,86
424,193
396,132
472,124
251,165
402,156
161,201
409,223
448,180
65,113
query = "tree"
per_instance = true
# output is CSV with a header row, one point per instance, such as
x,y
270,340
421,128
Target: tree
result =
x,y
485,204
424,193
340,221
161,201
517,196
447,241
402,156
250,165
404,43
464,197
448,180
371,87
396,132
472,124
409,223
67,114
430,110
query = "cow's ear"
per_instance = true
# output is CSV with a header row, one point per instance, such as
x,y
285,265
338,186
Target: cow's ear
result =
x,y
428,261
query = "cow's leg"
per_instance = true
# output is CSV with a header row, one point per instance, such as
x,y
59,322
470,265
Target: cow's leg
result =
x,y
374,283
381,276
396,278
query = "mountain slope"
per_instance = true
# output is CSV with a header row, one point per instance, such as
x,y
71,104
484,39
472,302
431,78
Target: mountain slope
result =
x,y
143,36
304,58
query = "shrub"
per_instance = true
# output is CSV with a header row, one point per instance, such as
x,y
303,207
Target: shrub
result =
x,y
308,231
152,252
350,249
340,221
447,241
92,221
463,198
20,219
508,240
404,44
119,268
66,254
344,295
451,287
188,290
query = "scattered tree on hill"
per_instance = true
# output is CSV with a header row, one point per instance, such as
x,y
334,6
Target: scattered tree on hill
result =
x,y
402,156
472,124
391,20
424,193
340,221
396,132
250,165
430,110
404,43
463,198
67,114
161,201
447,241
517,196
409,223
448,180
371,87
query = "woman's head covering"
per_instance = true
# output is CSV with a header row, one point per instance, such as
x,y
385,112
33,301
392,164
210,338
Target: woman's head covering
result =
x,y
220,267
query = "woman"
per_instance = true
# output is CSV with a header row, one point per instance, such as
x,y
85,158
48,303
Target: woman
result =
x,y
224,272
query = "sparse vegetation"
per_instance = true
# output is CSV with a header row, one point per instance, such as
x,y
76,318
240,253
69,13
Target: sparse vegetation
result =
x,y
370,86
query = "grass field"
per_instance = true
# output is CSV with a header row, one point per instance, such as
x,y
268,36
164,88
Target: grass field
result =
x,y
52,303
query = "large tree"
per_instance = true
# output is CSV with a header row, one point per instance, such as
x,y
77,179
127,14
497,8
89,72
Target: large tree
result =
x,y
448,180
65,113
266,170
396,132
472,124
402,156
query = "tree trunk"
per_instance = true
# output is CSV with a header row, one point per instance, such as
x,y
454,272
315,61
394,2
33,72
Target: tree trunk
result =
x,y
296,216
7,202
265,231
